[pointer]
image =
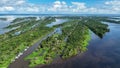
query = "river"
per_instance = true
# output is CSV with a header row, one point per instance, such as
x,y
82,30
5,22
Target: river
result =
x,y
101,53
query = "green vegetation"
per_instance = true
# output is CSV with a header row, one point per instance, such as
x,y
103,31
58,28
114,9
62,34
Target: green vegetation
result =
x,y
96,26
109,19
73,40
56,45
112,21
13,45
27,31
18,20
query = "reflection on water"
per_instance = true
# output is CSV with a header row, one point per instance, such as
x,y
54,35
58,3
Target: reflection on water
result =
x,y
101,53
115,19
8,20
58,30
57,21
2,25
5,23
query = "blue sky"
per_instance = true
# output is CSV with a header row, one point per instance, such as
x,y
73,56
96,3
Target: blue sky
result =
x,y
60,6
88,2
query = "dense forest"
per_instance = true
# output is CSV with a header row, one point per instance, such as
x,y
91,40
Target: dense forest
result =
x,y
73,40
26,31
12,45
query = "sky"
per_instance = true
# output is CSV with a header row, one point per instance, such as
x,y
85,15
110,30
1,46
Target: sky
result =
x,y
59,6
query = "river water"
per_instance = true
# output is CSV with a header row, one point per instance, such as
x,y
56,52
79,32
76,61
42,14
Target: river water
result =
x,y
2,25
101,53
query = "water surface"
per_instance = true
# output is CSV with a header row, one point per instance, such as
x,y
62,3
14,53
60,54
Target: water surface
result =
x,y
57,21
101,53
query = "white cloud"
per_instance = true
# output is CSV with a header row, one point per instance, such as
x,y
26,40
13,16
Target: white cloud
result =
x,y
17,6
113,5
32,9
22,6
75,7
79,5
64,3
58,6
3,1
20,2
7,8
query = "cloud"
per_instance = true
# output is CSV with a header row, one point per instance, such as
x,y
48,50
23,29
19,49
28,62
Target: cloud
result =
x,y
58,6
11,2
7,8
20,2
79,8
17,6
29,9
61,7
79,5
113,5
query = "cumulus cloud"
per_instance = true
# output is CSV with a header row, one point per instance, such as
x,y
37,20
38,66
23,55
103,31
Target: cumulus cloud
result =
x,y
75,7
22,6
20,2
7,8
113,5
17,6
58,6
79,5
